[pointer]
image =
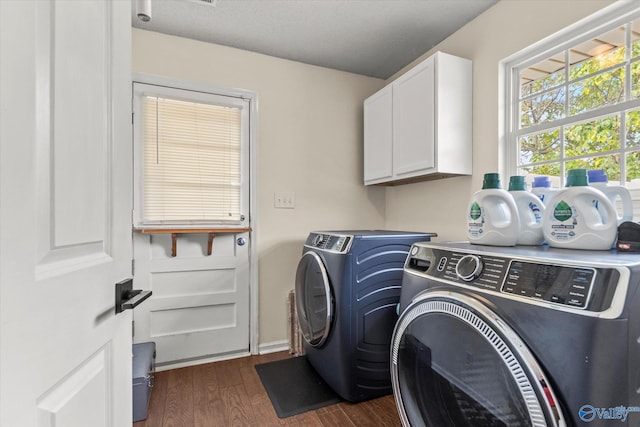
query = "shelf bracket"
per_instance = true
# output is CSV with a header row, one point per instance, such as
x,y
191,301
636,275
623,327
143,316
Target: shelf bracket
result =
x,y
210,243
174,242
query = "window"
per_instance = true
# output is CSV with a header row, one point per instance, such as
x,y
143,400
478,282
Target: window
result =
x,y
191,157
574,101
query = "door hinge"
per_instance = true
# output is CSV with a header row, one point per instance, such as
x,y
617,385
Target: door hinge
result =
x,y
133,328
133,267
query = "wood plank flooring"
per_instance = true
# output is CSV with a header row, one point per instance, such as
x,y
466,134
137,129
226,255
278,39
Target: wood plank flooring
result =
x,y
230,393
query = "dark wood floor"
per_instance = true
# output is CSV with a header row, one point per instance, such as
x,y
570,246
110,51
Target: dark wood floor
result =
x,y
230,393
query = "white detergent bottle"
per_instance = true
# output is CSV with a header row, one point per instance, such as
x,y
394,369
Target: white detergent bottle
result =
x,y
573,221
492,216
624,210
541,187
530,209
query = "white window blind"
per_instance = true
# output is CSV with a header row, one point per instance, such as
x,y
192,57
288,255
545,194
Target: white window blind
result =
x,y
191,162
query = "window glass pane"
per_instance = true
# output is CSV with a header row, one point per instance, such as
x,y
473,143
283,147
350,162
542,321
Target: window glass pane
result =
x,y
592,137
633,168
540,147
635,38
545,107
633,128
543,75
599,53
551,170
635,80
596,91
610,164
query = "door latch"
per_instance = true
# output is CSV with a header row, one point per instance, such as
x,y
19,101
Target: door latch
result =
x,y
128,298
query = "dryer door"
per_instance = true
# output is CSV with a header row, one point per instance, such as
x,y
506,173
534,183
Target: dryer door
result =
x,y
313,299
456,363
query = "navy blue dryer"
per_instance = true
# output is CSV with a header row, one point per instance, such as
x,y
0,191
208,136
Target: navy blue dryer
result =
x,y
347,288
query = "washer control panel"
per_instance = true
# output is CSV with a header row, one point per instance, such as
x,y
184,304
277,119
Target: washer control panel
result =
x,y
553,283
574,286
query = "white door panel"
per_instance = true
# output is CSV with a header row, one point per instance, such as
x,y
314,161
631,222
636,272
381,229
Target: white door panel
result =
x,y
65,185
200,304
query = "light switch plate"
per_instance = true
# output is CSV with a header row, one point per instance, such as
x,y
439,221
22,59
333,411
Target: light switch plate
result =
x,y
284,200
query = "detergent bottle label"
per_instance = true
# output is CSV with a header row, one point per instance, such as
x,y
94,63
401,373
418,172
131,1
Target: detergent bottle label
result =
x,y
475,211
536,212
563,212
476,220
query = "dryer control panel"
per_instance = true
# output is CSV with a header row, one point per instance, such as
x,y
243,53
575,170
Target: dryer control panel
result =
x,y
329,242
581,287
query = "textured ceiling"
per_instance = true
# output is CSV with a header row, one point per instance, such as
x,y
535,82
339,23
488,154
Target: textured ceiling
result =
x,y
370,37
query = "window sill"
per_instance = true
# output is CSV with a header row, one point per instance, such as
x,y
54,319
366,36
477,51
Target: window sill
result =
x,y
175,231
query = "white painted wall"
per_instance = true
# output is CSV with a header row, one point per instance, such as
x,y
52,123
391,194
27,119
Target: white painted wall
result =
x,y
309,143
504,29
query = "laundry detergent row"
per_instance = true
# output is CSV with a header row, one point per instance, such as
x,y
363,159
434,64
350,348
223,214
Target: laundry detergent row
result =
x,y
505,218
578,216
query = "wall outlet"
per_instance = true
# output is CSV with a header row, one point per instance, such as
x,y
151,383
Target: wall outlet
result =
x,y
284,200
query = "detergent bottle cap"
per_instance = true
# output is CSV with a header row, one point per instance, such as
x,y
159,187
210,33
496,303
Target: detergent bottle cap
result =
x,y
491,180
597,175
577,178
517,183
541,181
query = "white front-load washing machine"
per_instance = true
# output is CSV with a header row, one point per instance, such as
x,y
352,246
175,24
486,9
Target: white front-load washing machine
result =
x,y
519,336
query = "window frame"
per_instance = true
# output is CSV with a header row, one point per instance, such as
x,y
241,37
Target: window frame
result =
x,y
191,91
606,19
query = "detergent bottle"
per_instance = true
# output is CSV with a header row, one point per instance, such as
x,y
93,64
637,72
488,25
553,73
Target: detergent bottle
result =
x,y
530,209
541,187
492,216
572,219
624,211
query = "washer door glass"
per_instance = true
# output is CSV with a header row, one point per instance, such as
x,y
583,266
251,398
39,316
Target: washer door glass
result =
x,y
452,366
313,299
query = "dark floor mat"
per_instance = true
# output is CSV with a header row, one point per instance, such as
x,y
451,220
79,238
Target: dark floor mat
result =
x,y
295,387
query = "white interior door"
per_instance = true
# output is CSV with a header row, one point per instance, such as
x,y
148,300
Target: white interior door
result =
x,y
65,209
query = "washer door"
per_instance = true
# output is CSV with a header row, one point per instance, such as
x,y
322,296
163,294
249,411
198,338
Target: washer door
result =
x,y
456,363
313,299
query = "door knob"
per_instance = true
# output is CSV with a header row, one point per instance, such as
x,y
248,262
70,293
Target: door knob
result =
x,y
128,298
241,241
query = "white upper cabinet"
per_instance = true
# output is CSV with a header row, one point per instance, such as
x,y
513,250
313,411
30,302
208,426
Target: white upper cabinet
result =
x,y
378,135
419,127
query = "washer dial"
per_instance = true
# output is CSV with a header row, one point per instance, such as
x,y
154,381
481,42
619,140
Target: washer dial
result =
x,y
469,267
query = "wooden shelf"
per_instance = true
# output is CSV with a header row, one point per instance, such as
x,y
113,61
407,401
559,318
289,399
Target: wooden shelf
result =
x,y
175,231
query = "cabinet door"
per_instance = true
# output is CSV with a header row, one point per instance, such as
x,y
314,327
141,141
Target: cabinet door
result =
x,y
413,121
378,136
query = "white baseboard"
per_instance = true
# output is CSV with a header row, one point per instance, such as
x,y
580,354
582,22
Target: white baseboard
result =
x,y
273,347
265,348
200,361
